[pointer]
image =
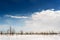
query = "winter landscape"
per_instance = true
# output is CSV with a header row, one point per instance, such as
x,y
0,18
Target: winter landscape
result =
x,y
12,35
30,37
29,19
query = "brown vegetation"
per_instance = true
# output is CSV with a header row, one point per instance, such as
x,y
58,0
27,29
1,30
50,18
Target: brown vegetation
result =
x,y
12,32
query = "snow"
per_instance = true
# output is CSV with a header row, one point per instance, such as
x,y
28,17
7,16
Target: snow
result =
x,y
30,37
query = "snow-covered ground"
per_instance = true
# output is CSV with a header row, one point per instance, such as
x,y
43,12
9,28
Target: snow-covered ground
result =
x,y
30,37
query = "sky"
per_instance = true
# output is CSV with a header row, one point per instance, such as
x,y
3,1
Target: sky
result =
x,y
30,15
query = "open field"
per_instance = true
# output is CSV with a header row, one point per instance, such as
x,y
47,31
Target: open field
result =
x,y
29,37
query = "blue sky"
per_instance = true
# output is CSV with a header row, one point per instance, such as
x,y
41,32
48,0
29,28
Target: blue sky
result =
x,y
25,7
16,12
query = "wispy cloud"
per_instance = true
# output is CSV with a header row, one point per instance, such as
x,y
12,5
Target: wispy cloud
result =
x,y
11,16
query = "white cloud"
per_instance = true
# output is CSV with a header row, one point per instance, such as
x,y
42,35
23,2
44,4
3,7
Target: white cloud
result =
x,y
46,20
16,16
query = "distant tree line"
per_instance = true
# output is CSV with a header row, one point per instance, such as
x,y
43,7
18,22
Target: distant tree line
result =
x,y
11,31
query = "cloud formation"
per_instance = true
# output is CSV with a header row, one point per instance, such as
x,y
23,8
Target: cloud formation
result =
x,y
46,20
16,16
